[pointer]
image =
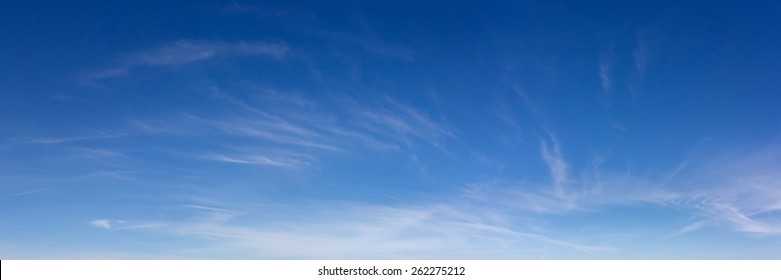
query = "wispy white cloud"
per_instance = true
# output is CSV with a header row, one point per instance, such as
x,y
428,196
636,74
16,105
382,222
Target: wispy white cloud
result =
x,y
744,193
738,220
524,97
640,56
347,230
551,155
95,152
535,110
581,195
124,225
401,123
605,69
23,193
184,52
604,74
494,215
373,43
279,131
59,140
101,175
85,138
106,224
689,228
296,16
743,196
298,131
278,161
108,73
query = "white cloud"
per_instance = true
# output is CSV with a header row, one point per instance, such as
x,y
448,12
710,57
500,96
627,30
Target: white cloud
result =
x,y
336,230
101,224
552,157
605,68
490,220
401,123
256,159
690,228
640,56
185,52
23,193
182,52
93,136
272,129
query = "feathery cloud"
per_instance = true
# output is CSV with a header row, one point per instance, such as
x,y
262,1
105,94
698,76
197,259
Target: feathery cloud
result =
x,y
400,123
552,157
257,160
346,230
640,56
182,52
605,69
689,228
185,52
101,224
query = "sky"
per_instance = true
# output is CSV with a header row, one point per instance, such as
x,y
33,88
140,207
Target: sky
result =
x,y
390,130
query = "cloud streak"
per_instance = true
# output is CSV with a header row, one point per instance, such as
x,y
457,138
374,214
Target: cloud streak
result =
x,y
605,68
258,159
401,122
689,228
640,56
551,155
105,224
188,51
333,230
183,52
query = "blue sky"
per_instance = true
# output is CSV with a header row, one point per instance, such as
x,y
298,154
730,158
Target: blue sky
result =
x,y
502,130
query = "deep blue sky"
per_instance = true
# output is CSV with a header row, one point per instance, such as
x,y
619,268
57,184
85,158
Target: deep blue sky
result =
x,y
585,130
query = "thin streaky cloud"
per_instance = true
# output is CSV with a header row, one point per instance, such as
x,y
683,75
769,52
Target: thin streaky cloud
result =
x,y
276,131
538,115
325,231
605,69
524,97
211,208
540,198
690,228
104,74
738,220
369,41
96,153
95,136
551,155
105,224
30,192
742,222
675,172
184,52
140,226
366,125
296,99
255,160
124,225
224,96
401,122
384,128
640,56
422,119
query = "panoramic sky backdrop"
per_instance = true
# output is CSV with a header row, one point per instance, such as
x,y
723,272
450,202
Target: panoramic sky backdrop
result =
x,y
372,129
